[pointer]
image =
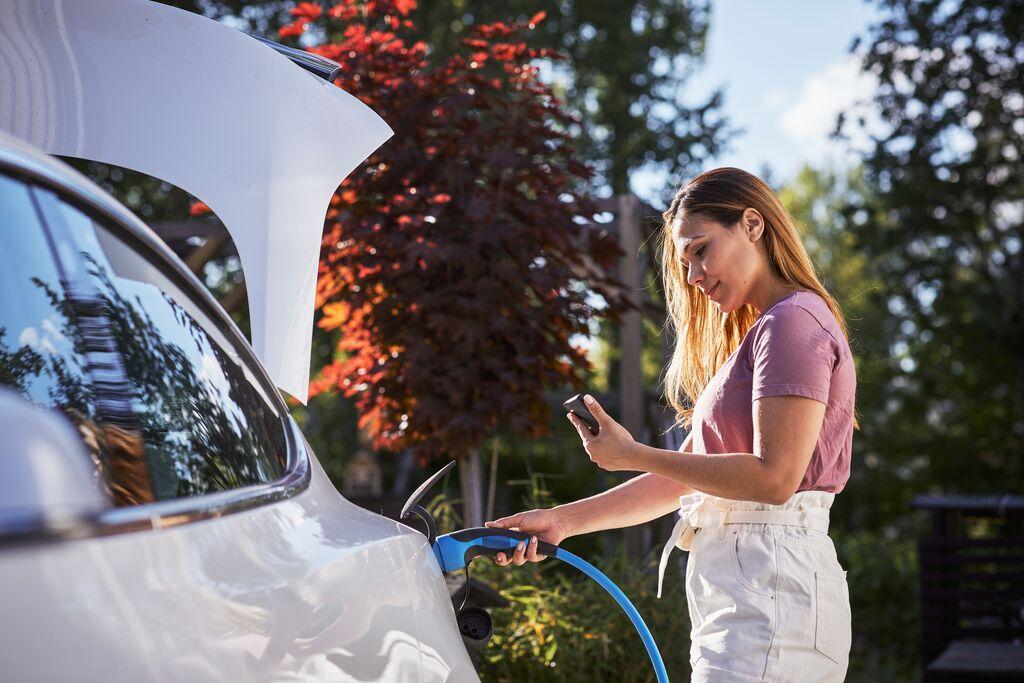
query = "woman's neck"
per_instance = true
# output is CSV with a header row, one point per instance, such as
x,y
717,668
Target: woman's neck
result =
x,y
769,294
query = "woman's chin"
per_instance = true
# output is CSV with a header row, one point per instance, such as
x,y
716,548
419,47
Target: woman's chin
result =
x,y
725,306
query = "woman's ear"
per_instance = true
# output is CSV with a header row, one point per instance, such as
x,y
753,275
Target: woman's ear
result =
x,y
753,224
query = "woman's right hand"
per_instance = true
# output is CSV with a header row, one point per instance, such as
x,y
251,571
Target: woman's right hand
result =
x,y
543,525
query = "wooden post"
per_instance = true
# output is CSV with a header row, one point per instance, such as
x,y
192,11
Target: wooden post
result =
x,y
492,480
471,479
631,390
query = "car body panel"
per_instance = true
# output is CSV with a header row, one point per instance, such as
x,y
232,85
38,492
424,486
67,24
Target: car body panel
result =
x,y
282,581
310,588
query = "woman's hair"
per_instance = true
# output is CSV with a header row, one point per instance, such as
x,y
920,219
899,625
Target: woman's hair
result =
x,y
706,337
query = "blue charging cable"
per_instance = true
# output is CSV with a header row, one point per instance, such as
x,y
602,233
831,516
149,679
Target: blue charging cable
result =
x,y
456,550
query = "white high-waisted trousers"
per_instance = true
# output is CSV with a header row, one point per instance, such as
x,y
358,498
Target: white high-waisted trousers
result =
x,y
767,597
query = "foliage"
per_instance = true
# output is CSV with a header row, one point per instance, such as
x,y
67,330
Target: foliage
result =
x,y
19,365
620,100
875,496
150,198
944,227
449,262
628,65
561,625
884,597
329,424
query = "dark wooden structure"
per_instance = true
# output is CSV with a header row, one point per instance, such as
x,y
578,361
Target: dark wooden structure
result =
x,y
972,588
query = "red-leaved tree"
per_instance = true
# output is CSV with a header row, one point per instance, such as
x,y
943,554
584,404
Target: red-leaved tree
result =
x,y
456,262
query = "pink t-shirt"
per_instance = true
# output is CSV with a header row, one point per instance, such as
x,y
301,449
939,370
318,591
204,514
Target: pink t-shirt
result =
x,y
795,348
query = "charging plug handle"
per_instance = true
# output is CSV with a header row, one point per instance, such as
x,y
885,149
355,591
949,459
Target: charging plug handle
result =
x,y
477,541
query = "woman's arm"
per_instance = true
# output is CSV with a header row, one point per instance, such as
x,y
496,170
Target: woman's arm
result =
x,y
636,501
786,429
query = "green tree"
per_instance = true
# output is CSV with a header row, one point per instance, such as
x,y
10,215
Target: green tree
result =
x,y
883,582
943,227
816,198
626,67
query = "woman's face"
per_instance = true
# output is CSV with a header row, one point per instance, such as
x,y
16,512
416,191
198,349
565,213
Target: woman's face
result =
x,y
725,263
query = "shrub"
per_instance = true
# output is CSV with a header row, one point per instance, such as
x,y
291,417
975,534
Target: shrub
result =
x,y
885,599
563,626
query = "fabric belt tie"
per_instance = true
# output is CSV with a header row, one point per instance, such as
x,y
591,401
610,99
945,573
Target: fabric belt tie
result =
x,y
697,511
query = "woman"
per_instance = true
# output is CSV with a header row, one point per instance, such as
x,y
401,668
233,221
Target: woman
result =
x,y
763,348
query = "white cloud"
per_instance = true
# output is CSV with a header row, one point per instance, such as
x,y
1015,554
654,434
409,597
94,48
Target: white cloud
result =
x,y
29,337
48,342
839,86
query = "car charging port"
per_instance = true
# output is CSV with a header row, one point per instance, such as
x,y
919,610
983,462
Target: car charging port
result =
x,y
475,626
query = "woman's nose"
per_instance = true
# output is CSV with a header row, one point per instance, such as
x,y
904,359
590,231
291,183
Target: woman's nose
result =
x,y
694,274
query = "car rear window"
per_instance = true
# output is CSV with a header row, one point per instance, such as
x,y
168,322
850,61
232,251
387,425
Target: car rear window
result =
x,y
205,421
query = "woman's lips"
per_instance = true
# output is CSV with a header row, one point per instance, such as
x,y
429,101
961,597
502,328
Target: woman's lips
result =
x,y
713,290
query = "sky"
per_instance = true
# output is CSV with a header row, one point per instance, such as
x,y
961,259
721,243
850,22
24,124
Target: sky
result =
x,y
786,72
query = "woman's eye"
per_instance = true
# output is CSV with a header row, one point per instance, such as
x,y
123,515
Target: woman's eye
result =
x,y
700,252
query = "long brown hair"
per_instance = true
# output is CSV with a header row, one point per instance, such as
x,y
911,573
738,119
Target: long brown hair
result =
x,y
706,337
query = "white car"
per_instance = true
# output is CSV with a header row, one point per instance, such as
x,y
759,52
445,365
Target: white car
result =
x,y
180,529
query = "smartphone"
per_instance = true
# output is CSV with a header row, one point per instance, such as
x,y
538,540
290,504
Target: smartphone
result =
x,y
577,407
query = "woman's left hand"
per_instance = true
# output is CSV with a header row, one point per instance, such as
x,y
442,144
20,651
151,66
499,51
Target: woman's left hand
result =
x,y
613,448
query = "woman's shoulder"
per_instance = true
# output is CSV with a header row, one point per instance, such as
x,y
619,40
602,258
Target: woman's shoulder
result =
x,y
805,308
797,328
799,319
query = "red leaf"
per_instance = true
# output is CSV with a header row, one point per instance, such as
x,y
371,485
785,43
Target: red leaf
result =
x,y
405,6
307,10
343,11
537,18
292,30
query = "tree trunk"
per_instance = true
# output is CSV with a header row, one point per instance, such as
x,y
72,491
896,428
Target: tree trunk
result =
x,y
471,478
